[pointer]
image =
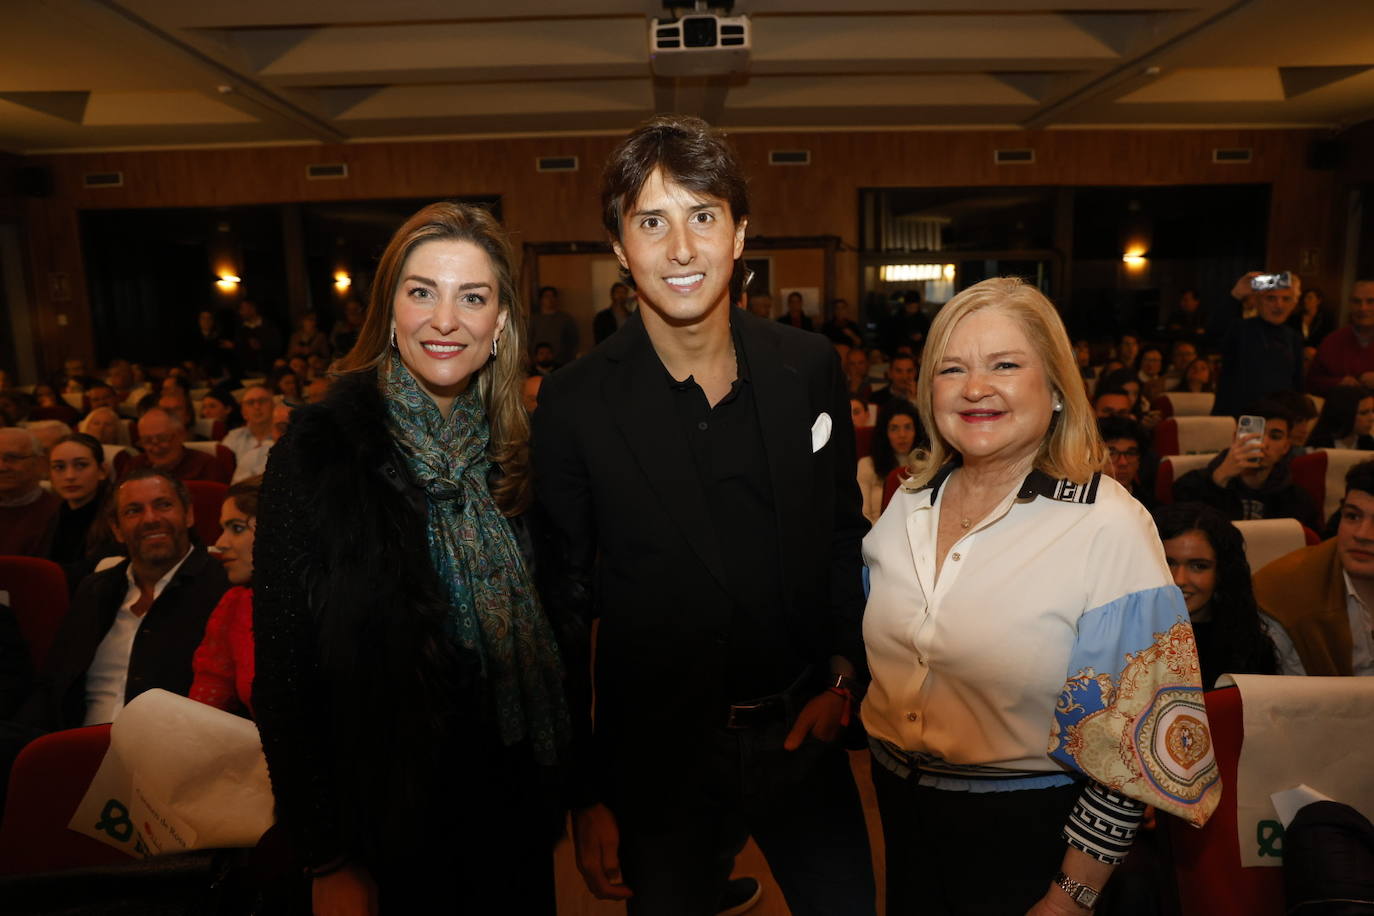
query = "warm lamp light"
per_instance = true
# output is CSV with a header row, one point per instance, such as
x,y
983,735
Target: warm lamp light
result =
x,y
1134,259
342,281
228,282
901,273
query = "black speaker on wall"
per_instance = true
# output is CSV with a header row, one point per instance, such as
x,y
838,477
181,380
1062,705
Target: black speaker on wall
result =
x,y
33,181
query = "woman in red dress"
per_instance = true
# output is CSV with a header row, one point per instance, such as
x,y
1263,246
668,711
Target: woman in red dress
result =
x,y
223,663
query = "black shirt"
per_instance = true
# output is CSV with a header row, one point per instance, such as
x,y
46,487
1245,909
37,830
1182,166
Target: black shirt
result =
x,y
732,466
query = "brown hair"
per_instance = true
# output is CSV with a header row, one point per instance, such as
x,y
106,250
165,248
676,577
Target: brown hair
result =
x,y
245,495
498,382
688,151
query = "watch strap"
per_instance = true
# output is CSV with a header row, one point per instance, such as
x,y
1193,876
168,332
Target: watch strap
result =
x,y
1078,892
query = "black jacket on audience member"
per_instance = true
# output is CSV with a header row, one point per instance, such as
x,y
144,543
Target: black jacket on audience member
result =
x,y
161,656
16,669
1279,497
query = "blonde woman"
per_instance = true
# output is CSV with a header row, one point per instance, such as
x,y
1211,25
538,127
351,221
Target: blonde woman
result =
x,y
1020,614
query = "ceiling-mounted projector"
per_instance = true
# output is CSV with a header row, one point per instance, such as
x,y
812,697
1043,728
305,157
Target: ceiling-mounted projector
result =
x,y
699,44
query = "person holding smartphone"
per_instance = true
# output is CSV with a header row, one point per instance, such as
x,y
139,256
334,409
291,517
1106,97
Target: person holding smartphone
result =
x,y
1262,354
1251,479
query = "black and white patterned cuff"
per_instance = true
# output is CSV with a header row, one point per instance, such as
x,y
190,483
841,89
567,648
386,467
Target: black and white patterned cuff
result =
x,y
1103,823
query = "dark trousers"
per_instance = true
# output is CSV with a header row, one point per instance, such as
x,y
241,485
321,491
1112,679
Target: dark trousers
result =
x,y
679,834
965,853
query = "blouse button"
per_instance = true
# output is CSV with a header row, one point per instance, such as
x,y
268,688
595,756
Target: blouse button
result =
x,y
955,557
912,717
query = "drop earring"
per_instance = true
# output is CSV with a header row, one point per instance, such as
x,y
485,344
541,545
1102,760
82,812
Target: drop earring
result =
x,y
1058,405
393,335
493,348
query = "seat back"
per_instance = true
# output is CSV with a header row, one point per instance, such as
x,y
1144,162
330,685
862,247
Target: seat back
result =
x,y
1184,404
223,456
893,481
1267,539
1211,881
1194,435
113,464
1171,468
48,781
1322,474
38,597
207,498
863,441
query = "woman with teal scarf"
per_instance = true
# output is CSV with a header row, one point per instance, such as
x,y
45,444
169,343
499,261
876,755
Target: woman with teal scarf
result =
x,y
409,689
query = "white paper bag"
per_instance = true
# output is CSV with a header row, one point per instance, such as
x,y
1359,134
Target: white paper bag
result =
x,y
179,775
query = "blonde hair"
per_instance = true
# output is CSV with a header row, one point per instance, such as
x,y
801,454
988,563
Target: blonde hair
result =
x,y
1072,448
499,380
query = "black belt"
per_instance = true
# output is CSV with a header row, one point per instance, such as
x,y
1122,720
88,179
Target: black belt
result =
x,y
764,711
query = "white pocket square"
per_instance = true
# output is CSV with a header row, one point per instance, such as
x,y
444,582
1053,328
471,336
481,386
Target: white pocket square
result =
x,y
820,432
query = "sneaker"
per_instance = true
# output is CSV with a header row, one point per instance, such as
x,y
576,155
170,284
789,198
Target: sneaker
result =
x,y
739,896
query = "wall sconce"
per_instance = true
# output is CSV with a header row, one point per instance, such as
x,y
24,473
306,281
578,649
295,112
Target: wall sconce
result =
x,y
227,282
342,280
1134,259
901,273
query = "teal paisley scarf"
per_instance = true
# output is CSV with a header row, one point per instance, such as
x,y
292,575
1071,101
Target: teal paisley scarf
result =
x,y
494,609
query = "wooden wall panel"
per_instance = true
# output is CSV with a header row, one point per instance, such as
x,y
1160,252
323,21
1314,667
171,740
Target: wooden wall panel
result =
x,y
820,199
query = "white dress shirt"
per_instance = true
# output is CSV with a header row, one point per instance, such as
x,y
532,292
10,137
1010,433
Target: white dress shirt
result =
x,y
1361,637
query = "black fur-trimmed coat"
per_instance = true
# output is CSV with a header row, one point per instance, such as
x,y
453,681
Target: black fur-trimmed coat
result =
x,y
358,692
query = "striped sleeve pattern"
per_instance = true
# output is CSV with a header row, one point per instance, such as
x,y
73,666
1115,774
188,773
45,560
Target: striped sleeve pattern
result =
x,y
1103,823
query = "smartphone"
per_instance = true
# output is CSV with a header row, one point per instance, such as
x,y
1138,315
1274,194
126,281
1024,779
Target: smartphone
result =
x,y
1272,281
1250,425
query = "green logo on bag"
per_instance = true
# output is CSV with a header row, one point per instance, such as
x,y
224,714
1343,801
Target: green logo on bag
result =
x,y
1269,834
114,820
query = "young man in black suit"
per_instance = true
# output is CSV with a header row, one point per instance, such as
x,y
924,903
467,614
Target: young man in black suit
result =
x,y
698,467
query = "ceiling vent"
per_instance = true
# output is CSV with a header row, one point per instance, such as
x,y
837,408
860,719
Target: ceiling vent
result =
x,y
324,170
1237,155
102,180
789,157
1013,156
556,164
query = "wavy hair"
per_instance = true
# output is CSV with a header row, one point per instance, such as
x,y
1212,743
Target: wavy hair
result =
x,y
499,381
1072,448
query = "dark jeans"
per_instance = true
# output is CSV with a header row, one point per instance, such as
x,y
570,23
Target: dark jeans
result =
x,y
679,834
972,854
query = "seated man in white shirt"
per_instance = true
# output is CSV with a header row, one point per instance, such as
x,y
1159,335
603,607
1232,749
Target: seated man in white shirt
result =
x,y
131,628
251,442
1317,600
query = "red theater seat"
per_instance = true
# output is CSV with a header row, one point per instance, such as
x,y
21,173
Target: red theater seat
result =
x,y
38,597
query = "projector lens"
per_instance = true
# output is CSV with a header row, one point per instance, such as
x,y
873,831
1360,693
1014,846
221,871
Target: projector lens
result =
x,y
699,31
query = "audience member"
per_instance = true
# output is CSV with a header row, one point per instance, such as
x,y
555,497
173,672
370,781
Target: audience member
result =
x,y
896,433
177,401
49,405
552,326
1206,555
858,412
307,339
1251,479
47,432
219,407
1127,446
251,442
287,385
1346,356
78,533
795,316
1187,321
1180,358
761,304
1318,599
101,395
163,440
544,361
223,663
1113,402
106,426
281,418
122,379
901,381
1198,378
1347,419
841,327
213,350
856,373
906,327
26,509
132,627
258,343
316,390
1311,320
1302,417
1260,354
345,332
607,321
1151,372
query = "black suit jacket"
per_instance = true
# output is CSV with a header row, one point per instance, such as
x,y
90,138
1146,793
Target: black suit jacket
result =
x,y
614,474
162,650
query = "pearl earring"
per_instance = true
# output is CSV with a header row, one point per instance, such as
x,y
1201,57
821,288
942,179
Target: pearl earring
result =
x,y
1058,405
